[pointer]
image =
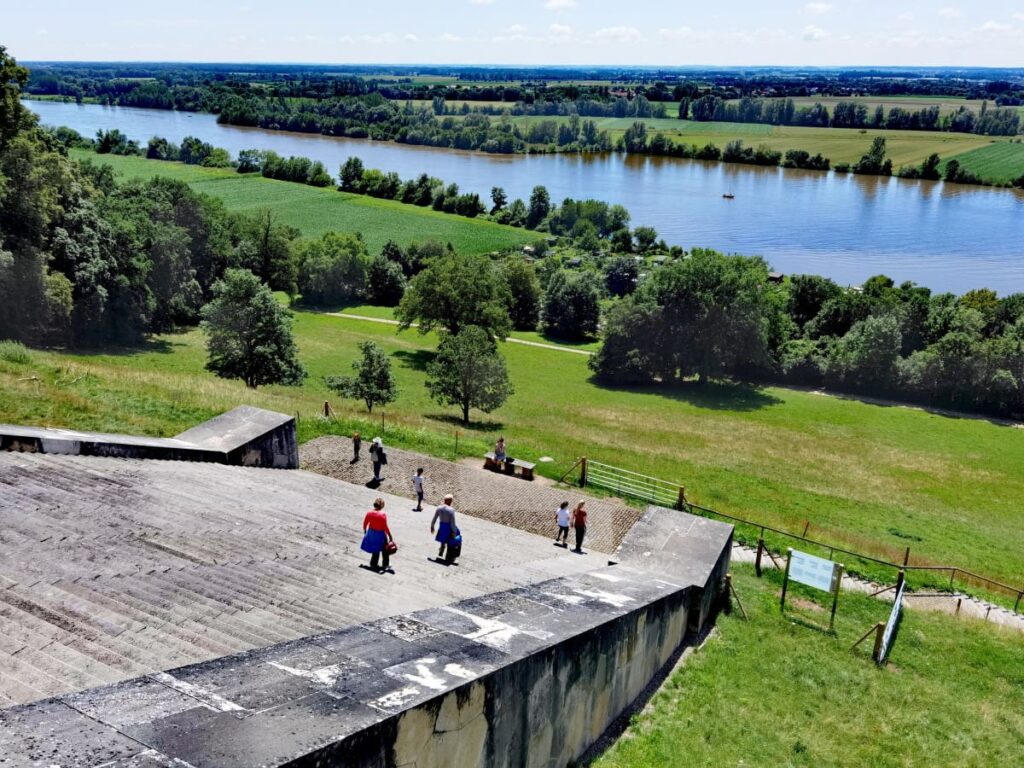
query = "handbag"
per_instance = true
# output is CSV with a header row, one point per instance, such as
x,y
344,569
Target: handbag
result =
x,y
382,457
391,548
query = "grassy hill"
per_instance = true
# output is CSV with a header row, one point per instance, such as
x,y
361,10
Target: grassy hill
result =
x,y
773,692
876,478
315,210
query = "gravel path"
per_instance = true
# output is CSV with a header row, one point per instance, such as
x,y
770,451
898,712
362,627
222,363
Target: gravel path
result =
x,y
528,506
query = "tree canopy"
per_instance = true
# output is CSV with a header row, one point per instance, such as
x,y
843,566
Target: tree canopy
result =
x,y
469,372
249,334
373,382
455,291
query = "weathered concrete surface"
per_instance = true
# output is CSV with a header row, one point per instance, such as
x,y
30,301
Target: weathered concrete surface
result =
x,y
525,677
112,568
491,496
243,436
683,547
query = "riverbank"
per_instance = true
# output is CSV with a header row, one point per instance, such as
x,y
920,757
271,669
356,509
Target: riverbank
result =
x,y
994,160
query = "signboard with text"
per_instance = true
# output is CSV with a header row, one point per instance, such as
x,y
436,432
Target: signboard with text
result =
x,y
813,571
816,572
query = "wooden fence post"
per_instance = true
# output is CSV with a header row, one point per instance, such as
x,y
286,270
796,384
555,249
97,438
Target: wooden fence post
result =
x,y
757,560
876,654
583,472
681,501
906,557
807,524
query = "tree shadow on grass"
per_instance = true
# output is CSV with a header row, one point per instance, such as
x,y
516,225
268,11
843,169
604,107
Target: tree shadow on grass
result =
x,y
417,360
473,426
714,396
147,346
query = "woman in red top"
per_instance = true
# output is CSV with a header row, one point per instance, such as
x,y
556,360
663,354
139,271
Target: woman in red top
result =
x,y
579,522
377,535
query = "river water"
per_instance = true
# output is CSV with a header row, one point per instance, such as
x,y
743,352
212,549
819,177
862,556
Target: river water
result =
x,y
949,237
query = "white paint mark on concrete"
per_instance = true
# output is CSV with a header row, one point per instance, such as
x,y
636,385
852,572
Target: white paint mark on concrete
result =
x,y
207,698
570,599
605,577
396,699
608,598
324,675
425,675
496,634
457,670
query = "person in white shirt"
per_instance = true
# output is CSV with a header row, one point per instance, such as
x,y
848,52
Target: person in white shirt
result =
x,y
417,485
562,518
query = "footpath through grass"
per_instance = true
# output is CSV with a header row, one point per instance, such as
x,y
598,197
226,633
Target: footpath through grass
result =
x,y
775,692
872,477
315,210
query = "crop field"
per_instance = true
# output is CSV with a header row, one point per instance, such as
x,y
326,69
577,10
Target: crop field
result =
x,y
946,104
837,144
1001,162
875,478
317,210
773,692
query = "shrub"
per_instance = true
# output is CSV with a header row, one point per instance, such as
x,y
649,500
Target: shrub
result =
x,y
15,352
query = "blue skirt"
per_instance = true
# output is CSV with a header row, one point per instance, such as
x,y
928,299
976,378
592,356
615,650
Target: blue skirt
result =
x,y
374,541
444,532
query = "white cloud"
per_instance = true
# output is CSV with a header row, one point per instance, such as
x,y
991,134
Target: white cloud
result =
x,y
992,26
411,38
818,8
679,33
481,2
949,13
560,30
813,33
905,16
448,37
619,34
558,5
1019,16
516,29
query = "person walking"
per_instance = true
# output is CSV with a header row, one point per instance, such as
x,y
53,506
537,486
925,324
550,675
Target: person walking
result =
x,y
562,519
444,516
377,537
357,443
579,522
378,457
417,485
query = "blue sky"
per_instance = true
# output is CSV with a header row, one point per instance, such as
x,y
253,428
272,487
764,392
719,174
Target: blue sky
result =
x,y
821,32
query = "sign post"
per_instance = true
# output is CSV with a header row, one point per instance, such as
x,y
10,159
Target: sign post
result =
x,y
816,572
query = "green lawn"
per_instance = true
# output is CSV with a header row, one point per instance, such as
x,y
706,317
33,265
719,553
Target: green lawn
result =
x,y
837,144
1000,161
772,692
315,211
875,478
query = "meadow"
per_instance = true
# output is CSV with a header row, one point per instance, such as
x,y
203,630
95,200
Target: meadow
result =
x,y
875,478
315,210
838,144
774,692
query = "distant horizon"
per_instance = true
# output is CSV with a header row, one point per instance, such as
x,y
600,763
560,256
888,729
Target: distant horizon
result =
x,y
540,66
647,33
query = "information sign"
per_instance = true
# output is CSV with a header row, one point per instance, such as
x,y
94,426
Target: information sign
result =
x,y
813,571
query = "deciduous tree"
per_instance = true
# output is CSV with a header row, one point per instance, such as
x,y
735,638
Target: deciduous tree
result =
x,y
469,372
373,382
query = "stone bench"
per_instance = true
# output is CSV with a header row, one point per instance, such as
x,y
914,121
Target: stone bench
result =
x,y
510,466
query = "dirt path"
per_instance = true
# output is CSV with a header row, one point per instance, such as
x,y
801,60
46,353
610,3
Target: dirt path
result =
x,y
510,340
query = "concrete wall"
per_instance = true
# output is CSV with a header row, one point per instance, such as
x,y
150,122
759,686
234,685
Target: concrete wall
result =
x,y
548,708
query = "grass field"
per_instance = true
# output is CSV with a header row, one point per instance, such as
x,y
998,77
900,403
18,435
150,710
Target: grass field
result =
x,y
315,211
773,692
837,144
1000,162
875,478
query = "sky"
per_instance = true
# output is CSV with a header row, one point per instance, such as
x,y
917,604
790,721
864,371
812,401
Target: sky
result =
x,y
524,32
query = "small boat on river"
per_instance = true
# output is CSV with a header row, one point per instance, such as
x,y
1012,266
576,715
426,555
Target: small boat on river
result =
x,y
729,196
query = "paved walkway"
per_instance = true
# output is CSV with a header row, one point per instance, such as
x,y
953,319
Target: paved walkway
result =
x,y
954,603
511,340
511,501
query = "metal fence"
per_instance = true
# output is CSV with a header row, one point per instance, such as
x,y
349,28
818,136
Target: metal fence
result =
x,y
623,482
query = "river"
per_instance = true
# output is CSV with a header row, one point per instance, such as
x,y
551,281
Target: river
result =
x,y
949,237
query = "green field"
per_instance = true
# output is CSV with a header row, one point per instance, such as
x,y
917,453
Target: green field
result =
x,y
1001,162
773,692
837,144
315,211
875,478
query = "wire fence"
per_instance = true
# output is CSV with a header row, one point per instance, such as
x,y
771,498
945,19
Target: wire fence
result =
x,y
624,482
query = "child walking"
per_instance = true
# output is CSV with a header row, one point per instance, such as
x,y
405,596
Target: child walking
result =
x,y
562,519
417,485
